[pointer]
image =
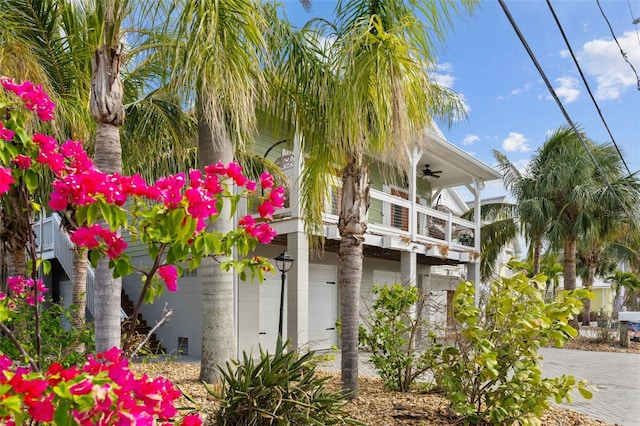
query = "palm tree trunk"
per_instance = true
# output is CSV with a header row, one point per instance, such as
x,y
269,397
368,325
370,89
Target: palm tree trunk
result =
x,y
79,290
537,250
107,110
569,272
353,225
586,302
218,326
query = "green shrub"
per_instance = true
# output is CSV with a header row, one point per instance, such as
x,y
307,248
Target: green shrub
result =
x,y
492,374
58,343
391,336
280,389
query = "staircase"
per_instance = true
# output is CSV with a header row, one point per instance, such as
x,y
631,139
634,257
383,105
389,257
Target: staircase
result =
x,y
153,345
54,242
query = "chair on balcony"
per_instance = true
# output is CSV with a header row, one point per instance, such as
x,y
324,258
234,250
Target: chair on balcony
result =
x,y
437,227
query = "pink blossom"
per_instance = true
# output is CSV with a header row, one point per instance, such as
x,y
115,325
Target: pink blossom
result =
x,y
251,186
276,196
86,236
5,180
266,180
22,161
217,169
169,275
191,420
266,209
5,133
264,233
34,97
234,171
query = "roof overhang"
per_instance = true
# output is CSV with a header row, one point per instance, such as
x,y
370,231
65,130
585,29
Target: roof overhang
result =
x,y
458,167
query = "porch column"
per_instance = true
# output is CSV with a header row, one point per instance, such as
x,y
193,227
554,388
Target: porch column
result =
x,y
408,267
298,290
413,175
473,269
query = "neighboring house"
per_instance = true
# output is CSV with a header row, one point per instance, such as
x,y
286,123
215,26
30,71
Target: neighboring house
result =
x,y
411,238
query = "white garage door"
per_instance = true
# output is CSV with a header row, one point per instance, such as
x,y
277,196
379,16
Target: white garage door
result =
x,y
270,312
323,307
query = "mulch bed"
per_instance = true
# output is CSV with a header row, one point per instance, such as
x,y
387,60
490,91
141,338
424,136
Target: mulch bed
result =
x,y
376,405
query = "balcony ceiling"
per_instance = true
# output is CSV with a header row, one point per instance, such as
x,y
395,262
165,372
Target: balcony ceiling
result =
x,y
458,167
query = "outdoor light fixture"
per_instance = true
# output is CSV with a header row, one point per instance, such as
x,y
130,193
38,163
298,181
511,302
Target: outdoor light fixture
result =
x,y
284,262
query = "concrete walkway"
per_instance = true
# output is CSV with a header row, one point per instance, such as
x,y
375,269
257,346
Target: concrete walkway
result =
x,y
616,375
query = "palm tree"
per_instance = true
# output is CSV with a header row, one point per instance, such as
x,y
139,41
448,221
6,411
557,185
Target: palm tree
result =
x,y
360,88
219,58
53,43
573,193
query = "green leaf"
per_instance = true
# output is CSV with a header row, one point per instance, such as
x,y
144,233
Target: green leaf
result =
x,y
92,214
31,180
94,257
46,266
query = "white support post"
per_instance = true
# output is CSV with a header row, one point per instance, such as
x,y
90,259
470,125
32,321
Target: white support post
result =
x,y
413,215
297,282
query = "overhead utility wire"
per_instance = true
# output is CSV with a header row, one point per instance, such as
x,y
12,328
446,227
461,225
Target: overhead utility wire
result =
x,y
584,80
624,54
634,21
564,111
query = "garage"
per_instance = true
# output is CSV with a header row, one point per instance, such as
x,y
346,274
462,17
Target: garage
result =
x,y
323,307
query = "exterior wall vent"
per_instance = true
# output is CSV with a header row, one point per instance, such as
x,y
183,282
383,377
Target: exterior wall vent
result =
x,y
183,345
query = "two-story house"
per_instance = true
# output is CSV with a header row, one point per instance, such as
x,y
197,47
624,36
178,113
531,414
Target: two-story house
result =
x,y
414,235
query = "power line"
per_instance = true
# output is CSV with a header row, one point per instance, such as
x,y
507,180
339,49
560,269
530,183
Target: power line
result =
x,y
633,20
624,54
584,80
564,111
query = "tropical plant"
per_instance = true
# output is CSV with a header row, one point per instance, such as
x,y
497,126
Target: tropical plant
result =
x,y
54,42
391,334
572,189
492,373
218,58
278,388
356,88
168,217
628,281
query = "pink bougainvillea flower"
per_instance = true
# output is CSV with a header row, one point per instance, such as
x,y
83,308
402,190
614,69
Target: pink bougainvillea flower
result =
x,y
82,388
276,196
266,180
5,133
264,233
86,236
266,209
169,275
5,180
234,171
191,420
34,97
22,161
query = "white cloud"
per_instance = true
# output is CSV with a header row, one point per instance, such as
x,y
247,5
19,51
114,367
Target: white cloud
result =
x,y
525,88
516,142
469,139
568,89
601,58
442,76
564,53
522,165
445,80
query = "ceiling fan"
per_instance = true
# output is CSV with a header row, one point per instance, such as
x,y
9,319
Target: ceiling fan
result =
x,y
427,172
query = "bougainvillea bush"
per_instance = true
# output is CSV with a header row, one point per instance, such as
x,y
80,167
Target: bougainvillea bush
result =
x,y
169,217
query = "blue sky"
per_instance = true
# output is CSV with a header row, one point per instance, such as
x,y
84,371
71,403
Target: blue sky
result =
x,y
510,108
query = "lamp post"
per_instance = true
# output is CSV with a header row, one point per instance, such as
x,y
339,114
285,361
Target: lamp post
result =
x,y
284,262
